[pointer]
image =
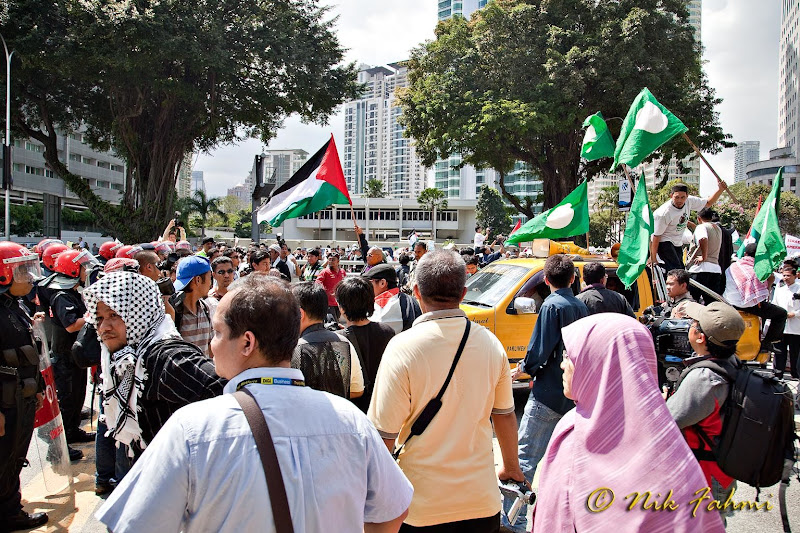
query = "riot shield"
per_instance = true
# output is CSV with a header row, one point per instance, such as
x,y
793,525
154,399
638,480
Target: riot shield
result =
x,y
51,443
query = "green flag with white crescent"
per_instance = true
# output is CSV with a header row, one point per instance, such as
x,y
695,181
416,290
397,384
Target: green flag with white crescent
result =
x,y
647,126
771,248
568,218
597,142
635,248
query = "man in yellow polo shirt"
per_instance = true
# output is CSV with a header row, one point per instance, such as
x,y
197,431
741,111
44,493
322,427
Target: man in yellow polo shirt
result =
x,y
451,464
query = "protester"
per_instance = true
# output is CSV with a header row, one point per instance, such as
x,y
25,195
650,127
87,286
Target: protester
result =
x,y
260,261
677,284
68,310
313,266
451,464
173,233
223,272
328,360
701,393
330,276
392,307
356,300
192,313
610,362
472,265
597,297
338,475
21,387
670,221
207,245
148,266
279,263
703,263
148,371
480,237
403,270
785,298
235,256
546,403
746,292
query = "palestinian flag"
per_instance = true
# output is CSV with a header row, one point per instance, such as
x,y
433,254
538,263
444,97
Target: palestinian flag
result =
x,y
318,184
516,227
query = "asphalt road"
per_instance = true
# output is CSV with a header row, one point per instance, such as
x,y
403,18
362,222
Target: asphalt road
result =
x,y
73,511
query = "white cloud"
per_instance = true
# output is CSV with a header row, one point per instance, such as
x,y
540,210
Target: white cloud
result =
x,y
741,54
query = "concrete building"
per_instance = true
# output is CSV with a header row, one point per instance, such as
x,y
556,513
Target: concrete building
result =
x,y
788,105
242,194
283,163
450,8
384,220
375,145
104,171
198,183
184,184
763,172
745,153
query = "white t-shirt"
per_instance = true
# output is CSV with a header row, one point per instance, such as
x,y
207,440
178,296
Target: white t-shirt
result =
x,y
783,298
670,221
478,241
700,233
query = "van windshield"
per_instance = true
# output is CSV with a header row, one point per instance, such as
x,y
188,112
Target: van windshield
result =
x,y
490,285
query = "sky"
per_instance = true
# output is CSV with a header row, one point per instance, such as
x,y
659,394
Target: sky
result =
x,y
740,42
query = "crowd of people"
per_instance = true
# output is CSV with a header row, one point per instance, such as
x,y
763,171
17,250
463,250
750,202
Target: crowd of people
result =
x,y
381,398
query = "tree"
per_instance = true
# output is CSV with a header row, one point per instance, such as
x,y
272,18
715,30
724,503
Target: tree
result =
x,y
374,188
661,195
432,199
517,80
154,80
204,207
491,212
743,213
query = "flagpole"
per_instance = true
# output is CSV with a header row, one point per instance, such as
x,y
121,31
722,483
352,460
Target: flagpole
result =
x,y
702,158
630,180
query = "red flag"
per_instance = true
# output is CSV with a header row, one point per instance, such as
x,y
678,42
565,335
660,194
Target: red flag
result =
x,y
516,227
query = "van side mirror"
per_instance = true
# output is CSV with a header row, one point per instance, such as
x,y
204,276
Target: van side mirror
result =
x,y
525,306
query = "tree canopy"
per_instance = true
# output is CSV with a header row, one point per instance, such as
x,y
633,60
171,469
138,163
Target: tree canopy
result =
x,y
374,188
431,198
157,79
517,80
491,212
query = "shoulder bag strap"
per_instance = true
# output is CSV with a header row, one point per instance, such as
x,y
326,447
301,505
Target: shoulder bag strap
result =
x,y
269,460
455,362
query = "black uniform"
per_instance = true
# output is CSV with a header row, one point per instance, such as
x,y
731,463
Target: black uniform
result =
x,y
20,381
68,308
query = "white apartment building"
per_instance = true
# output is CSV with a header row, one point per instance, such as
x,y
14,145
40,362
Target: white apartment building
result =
x,y
787,78
375,145
745,153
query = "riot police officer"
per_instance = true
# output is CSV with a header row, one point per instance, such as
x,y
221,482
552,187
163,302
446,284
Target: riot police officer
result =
x,y
20,381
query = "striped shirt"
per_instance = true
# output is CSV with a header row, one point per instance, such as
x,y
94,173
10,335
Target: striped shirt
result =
x,y
177,375
197,328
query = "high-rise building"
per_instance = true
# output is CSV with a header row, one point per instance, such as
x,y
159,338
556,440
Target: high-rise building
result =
x,y
198,183
184,184
746,152
450,8
242,195
788,104
103,171
281,163
375,145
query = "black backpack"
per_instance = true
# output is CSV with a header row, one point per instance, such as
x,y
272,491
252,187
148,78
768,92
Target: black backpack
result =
x,y
758,424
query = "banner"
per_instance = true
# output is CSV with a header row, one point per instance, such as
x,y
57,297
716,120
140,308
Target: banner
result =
x,y
792,246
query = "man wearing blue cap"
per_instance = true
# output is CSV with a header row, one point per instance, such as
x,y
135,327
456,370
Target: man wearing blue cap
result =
x,y
192,314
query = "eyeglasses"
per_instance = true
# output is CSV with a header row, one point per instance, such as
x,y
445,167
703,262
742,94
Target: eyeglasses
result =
x,y
223,272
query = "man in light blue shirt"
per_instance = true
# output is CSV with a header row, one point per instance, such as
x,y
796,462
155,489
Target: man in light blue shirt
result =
x,y
203,472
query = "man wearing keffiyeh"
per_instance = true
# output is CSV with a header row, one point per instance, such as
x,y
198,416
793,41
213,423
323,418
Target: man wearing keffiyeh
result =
x,y
148,371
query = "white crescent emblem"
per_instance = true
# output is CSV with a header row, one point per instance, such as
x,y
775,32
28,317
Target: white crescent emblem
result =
x,y
560,217
650,119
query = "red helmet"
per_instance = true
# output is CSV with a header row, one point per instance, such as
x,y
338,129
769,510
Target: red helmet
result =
x,y
43,244
49,254
164,247
17,263
128,251
109,248
183,245
69,263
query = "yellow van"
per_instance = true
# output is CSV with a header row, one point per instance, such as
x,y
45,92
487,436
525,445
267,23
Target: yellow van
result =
x,y
506,295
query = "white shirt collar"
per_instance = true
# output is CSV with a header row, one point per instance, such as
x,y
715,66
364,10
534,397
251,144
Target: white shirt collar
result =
x,y
250,373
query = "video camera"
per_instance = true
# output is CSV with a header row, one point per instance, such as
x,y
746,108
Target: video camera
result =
x,y
671,341
520,493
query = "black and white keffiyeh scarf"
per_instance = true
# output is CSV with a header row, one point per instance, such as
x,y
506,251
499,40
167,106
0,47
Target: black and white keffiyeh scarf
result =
x,y
137,300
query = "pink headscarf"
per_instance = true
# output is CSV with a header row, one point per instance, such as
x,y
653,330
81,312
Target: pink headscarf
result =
x,y
620,436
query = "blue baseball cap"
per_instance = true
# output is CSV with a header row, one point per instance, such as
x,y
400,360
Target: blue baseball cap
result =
x,y
188,268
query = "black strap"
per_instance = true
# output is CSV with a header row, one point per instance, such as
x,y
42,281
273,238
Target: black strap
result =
x,y
269,461
435,403
455,362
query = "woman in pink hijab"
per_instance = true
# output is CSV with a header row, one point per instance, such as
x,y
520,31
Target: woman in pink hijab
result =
x,y
620,437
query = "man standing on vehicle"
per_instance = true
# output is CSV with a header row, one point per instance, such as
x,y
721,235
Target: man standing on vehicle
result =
x,y
704,255
670,221
597,298
697,402
450,463
546,403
